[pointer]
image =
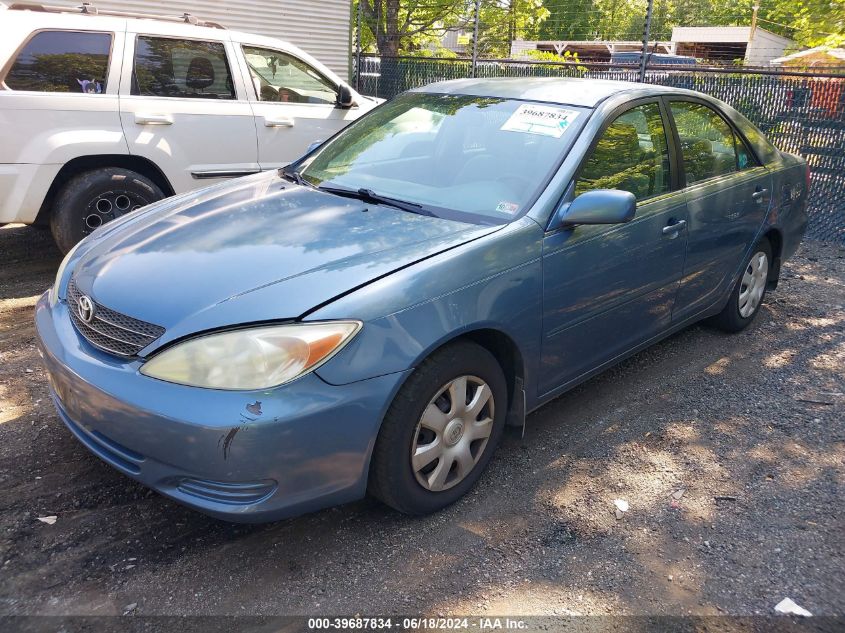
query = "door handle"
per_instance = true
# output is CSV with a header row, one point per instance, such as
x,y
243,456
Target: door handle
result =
x,y
758,195
278,122
153,119
674,228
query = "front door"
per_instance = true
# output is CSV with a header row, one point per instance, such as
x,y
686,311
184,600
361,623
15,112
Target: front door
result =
x,y
608,288
183,108
728,194
293,103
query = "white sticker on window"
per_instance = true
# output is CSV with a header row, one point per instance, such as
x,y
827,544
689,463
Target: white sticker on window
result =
x,y
507,207
531,118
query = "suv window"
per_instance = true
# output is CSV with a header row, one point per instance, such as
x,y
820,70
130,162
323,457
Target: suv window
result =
x,y
281,77
632,154
710,147
188,69
62,61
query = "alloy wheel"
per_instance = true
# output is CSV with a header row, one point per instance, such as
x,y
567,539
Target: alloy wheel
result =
x,y
110,205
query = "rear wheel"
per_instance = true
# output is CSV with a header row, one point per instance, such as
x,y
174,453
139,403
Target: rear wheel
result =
x,y
440,431
93,198
750,289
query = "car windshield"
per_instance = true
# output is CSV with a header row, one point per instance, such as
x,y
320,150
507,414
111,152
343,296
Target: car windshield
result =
x,y
477,159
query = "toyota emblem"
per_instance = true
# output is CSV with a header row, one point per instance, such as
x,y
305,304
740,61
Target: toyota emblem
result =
x,y
85,309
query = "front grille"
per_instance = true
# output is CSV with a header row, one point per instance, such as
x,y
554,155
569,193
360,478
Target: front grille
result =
x,y
111,331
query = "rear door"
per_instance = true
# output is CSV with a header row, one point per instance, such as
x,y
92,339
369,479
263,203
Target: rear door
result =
x,y
184,108
727,192
58,100
609,288
293,102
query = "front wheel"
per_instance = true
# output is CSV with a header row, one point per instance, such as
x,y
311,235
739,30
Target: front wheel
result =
x,y
92,198
440,431
748,294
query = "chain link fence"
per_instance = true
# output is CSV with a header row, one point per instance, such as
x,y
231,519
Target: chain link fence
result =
x,y
799,112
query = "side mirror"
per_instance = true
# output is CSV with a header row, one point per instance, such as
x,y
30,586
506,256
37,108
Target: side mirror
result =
x,y
344,97
599,206
314,146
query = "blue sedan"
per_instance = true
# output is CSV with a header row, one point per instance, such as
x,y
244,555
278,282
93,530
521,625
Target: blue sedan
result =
x,y
370,318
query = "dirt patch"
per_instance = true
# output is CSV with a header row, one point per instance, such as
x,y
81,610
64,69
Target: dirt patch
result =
x,y
730,451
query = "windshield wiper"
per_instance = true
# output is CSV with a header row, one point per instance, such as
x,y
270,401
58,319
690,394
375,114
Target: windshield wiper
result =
x,y
368,195
294,176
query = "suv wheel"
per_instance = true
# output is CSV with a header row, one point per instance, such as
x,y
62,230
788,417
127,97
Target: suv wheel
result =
x,y
92,198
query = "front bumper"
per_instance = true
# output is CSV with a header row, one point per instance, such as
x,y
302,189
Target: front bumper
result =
x,y
240,456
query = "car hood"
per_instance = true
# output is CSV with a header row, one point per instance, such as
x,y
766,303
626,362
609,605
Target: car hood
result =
x,y
259,249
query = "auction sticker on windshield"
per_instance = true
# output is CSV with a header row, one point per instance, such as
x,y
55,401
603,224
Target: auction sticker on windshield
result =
x,y
531,118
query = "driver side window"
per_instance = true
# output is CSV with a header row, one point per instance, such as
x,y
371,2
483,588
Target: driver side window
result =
x,y
281,77
632,155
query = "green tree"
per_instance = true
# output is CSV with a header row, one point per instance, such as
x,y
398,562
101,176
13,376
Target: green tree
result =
x,y
503,21
399,26
808,22
621,19
569,20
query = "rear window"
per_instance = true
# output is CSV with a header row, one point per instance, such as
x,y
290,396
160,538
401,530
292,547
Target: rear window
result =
x,y
62,61
762,146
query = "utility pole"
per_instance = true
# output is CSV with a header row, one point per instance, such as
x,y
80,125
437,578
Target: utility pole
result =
x,y
646,38
475,37
753,22
358,49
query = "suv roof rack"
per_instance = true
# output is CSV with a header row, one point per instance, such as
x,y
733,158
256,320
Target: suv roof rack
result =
x,y
88,8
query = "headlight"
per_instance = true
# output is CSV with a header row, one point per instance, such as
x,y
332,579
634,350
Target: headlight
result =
x,y
254,358
54,291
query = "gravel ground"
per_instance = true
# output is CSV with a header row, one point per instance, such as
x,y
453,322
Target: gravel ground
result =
x,y
730,451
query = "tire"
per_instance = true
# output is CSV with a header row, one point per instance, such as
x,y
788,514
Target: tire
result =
x,y
737,314
93,198
393,478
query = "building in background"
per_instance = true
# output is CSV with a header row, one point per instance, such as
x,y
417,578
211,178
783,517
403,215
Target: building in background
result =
x,y
319,27
716,44
724,44
587,50
819,57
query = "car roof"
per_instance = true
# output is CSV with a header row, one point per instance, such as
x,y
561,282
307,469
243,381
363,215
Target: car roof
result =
x,y
30,15
586,93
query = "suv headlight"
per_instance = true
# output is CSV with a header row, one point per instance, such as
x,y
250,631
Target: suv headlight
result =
x,y
253,358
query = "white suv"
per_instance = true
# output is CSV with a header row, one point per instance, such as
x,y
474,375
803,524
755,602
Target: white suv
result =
x,y
104,112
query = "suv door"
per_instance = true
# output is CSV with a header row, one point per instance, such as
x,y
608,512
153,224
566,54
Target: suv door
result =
x,y
183,108
727,193
294,105
609,288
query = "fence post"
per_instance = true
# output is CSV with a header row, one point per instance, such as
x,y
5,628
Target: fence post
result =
x,y
646,38
358,49
475,37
